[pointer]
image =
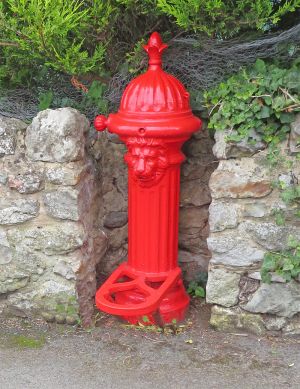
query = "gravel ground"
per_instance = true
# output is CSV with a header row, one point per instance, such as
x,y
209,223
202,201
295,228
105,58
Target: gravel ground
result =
x,y
34,354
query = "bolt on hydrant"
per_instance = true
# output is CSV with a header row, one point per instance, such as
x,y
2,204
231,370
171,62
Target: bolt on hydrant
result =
x,y
154,120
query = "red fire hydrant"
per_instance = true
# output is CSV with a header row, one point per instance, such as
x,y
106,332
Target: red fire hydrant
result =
x,y
154,120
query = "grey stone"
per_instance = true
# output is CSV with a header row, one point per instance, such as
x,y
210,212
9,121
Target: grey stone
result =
x,y
277,299
65,270
222,216
115,219
57,136
269,235
13,283
293,327
294,138
222,287
288,179
26,183
62,203
224,149
64,175
3,178
194,193
233,319
255,209
114,201
241,178
233,250
5,251
51,239
17,211
275,323
8,135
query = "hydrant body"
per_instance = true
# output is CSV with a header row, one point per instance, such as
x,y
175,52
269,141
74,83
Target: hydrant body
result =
x,y
154,120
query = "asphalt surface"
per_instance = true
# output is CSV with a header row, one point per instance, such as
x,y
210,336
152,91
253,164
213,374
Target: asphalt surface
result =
x,y
36,355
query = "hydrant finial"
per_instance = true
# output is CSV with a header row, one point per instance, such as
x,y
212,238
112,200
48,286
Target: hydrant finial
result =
x,y
155,48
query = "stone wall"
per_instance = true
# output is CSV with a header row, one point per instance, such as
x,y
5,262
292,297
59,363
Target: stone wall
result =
x,y
243,229
63,213
50,240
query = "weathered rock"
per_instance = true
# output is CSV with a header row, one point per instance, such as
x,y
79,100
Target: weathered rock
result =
x,y
293,327
67,174
194,193
26,183
65,270
233,250
193,217
240,179
224,149
222,216
269,235
3,178
114,201
60,238
294,138
232,319
115,219
5,251
8,134
62,203
63,143
118,237
274,323
17,211
277,299
222,287
255,209
14,283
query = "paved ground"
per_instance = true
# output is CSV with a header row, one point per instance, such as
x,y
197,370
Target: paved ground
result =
x,y
36,355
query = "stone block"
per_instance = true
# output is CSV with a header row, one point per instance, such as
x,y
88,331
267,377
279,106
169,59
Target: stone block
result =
x,y
223,216
17,211
231,249
62,203
276,298
57,136
269,235
8,134
51,239
222,287
5,251
233,319
194,193
67,174
240,179
26,183
115,219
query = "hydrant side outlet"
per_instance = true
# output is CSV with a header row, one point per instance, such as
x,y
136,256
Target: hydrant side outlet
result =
x,y
154,120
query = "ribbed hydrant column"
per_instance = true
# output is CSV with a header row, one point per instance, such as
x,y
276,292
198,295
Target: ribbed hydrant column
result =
x,y
154,120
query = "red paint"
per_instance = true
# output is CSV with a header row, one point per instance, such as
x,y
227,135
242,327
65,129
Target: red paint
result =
x,y
154,120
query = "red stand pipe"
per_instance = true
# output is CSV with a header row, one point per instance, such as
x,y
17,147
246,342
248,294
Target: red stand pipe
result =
x,y
154,120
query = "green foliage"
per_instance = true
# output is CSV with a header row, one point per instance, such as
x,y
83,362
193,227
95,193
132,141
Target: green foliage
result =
x,y
50,32
196,288
226,18
263,98
285,263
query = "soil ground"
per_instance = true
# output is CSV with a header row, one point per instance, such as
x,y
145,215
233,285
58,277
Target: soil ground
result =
x,y
37,355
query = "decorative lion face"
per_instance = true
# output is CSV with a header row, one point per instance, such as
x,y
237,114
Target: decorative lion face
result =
x,y
147,159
